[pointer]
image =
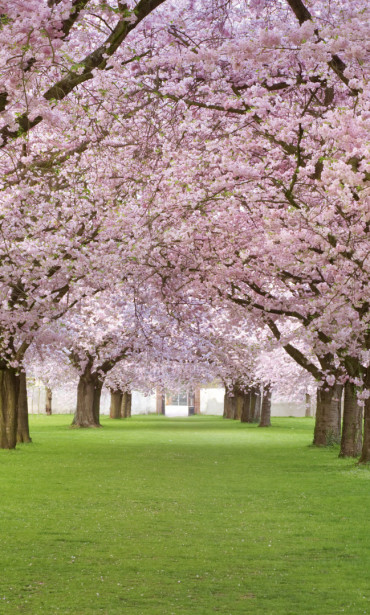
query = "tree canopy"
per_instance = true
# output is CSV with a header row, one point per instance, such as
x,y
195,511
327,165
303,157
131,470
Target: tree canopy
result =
x,y
186,183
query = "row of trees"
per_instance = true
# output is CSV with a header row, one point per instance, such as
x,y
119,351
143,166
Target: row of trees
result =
x,y
187,186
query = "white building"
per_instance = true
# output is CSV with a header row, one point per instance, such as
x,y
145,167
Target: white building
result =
x,y
208,400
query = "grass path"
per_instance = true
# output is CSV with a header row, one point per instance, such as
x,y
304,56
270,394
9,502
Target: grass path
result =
x,y
156,516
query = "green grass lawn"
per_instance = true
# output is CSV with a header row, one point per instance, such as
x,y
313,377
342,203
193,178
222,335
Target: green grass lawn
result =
x,y
198,516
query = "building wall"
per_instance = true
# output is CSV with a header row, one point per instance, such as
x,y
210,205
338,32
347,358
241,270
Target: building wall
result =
x,y
143,404
177,410
65,399
279,408
211,402
63,402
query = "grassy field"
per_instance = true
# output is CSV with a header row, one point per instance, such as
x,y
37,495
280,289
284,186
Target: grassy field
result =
x,y
196,516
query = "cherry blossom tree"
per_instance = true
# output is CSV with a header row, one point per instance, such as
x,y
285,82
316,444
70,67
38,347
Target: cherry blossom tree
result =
x,y
280,214
49,51
240,182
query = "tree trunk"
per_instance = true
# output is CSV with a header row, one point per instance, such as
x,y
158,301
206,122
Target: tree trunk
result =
x,y
9,387
23,430
191,402
160,401
115,404
265,420
48,402
256,417
88,400
252,406
308,405
339,396
365,454
126,405
327,430
239,402
229,405
226,406
351,442
255,410
96,402
245,416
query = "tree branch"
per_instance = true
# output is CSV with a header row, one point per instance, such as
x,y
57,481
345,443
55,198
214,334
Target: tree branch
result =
x,y
77,7
295,353
336,64
95,60
299,10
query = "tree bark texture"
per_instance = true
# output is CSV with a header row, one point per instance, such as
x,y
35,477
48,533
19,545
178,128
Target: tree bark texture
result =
x,y
365,453
115,404
229,406
160,402
351,442
9,388
246,409
239,402
308,405
265,420
88,400
191,402
126,405
327,426
23,430
256,411
49,401
226,414
96,402
339,397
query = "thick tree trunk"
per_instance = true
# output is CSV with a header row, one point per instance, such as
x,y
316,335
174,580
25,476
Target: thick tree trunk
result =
x,y
255,409
265,420
160,402
115,404
256,416
9,387
239,402
308,405
233,401
191,402
365,454
351,442
88,400
245,416
126,405
23,430
339,396
194,401
327,426
228,406
96,402
49,400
